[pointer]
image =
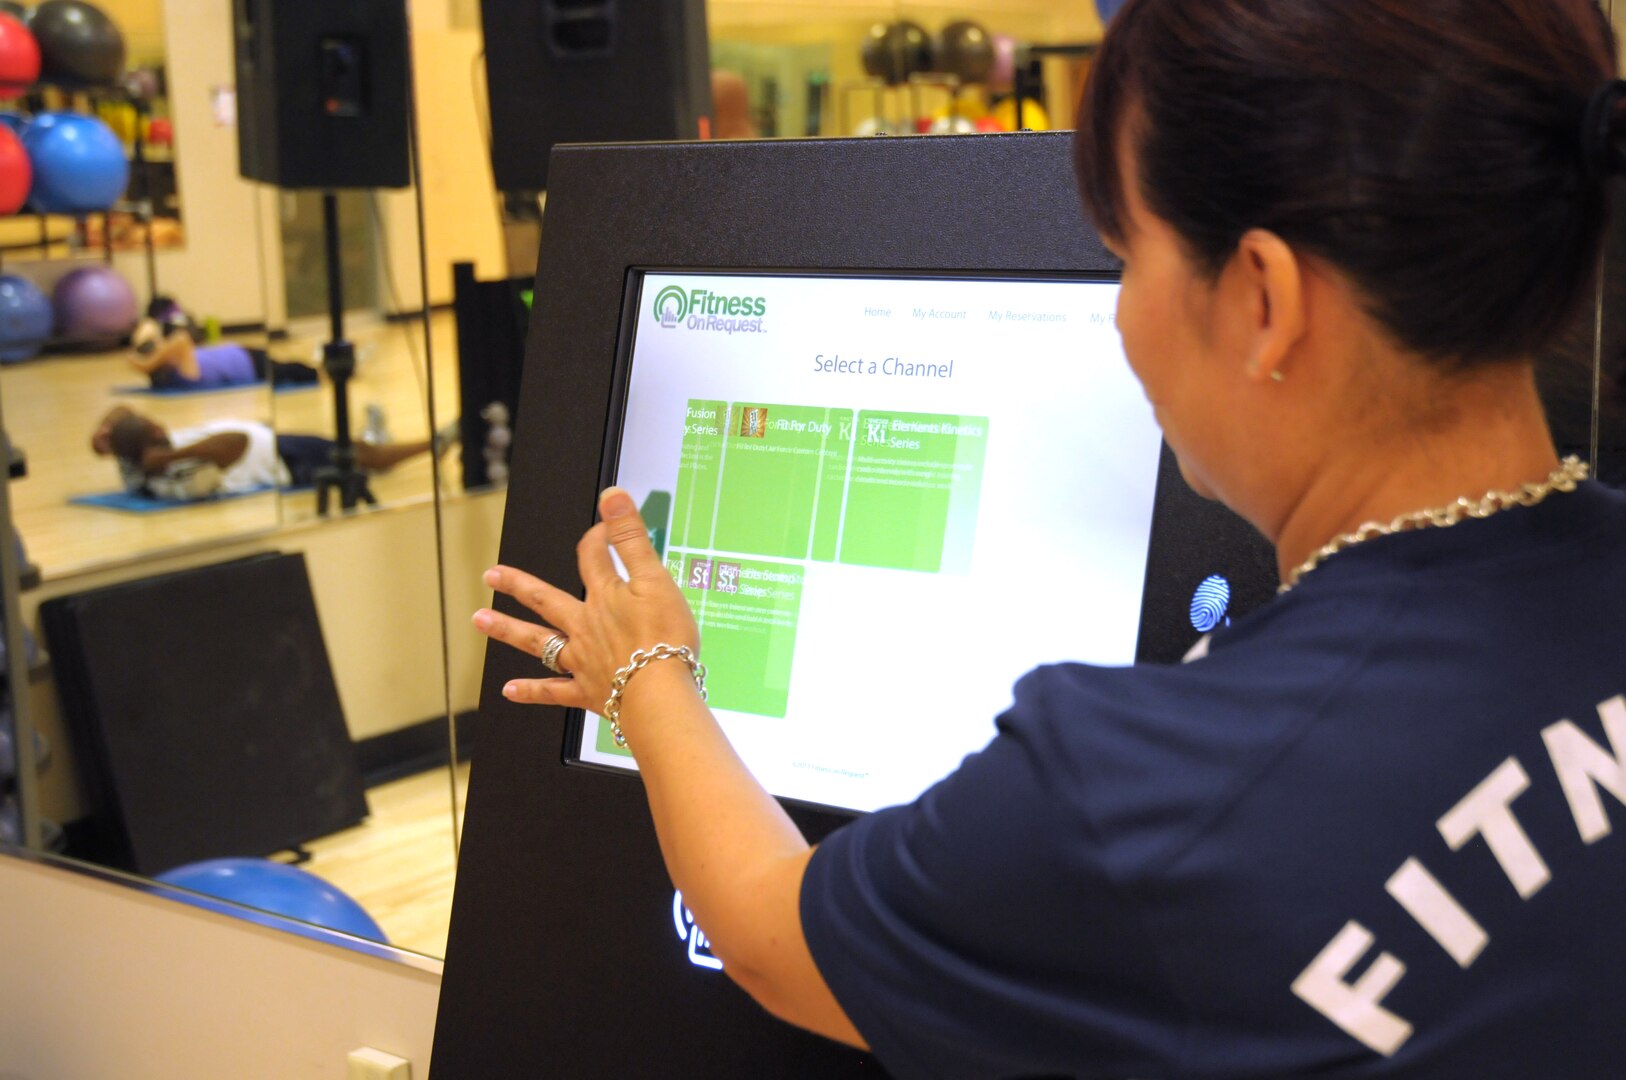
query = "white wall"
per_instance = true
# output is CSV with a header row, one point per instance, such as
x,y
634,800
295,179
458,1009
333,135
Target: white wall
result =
x,y
102,980
460,203
219,271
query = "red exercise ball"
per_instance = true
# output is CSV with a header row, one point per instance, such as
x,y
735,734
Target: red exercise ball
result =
x,y
19,57
16,172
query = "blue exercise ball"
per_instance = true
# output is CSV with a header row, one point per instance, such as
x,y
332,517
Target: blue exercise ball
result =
x,y
26,319
276,888
79,164
16,121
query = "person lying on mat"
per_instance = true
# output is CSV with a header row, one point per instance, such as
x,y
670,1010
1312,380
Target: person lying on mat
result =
x,y
229,457
173,361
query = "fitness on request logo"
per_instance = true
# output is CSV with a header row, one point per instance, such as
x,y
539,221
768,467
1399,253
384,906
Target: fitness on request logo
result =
x,y
702,309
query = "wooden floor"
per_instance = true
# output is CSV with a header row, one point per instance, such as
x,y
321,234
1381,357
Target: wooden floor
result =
x,y
399,864
50,406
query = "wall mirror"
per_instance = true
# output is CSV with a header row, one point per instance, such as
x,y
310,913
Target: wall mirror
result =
x,y
392,584
249,276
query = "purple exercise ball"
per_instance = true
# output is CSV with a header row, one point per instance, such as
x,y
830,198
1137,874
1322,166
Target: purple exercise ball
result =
x,y
94,303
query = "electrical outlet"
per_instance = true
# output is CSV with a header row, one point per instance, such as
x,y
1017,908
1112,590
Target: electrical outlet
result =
x,y
370,1064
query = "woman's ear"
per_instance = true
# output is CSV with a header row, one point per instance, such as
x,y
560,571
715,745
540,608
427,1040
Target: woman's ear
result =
x,y
1270,276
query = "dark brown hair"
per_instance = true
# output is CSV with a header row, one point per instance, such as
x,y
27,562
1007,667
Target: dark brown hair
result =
x,y
1430,150
130,437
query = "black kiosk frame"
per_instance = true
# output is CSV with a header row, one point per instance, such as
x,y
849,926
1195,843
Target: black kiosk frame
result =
x,y
563,958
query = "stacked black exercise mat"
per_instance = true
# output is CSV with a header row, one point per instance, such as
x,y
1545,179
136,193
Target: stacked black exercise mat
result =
x,y
204,713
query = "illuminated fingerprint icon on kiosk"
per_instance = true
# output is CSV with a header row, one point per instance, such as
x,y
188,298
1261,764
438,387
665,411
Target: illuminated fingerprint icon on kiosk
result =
x,y
1209,604
699,947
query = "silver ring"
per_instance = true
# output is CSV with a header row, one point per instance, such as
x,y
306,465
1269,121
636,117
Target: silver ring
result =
x,y
550,653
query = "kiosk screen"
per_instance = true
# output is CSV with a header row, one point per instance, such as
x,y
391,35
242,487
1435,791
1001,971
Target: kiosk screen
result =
x,y
886,499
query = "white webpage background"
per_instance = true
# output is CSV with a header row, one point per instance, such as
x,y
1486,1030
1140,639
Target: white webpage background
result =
x,y
898,674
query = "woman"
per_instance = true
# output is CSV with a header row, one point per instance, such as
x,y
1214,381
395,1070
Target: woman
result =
x,y
173,361
228,457
1369,832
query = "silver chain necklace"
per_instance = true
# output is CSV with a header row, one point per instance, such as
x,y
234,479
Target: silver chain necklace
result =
x,y
1564,478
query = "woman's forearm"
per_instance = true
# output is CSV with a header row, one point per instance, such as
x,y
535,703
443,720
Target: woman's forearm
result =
x,y
729,846
720,832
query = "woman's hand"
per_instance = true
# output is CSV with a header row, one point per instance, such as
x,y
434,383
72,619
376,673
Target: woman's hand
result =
x,y
617,618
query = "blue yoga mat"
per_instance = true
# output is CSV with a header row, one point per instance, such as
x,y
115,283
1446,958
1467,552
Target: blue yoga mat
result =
x,y
185,391
146,504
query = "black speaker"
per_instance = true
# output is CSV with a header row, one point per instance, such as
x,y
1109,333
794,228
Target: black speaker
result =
x,y
590,71
322,92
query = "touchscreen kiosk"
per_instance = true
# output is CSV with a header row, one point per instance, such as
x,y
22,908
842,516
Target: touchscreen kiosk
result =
x,y
882,429
853,479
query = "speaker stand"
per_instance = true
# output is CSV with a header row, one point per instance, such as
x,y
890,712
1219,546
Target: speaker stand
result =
x,y
339,361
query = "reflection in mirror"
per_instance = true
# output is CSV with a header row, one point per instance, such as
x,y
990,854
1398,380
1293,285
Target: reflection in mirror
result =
x,y
1583,378
903,67
99,273
231,674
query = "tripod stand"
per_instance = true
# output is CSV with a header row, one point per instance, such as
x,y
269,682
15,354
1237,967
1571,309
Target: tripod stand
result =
x,y
339,361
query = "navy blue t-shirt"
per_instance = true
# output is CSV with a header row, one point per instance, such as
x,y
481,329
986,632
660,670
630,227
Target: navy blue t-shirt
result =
x,y
1375,832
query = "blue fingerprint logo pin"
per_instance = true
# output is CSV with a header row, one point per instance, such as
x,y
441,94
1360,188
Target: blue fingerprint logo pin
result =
x,y
1209,603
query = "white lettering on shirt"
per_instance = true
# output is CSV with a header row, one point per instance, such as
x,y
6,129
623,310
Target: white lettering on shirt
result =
x,y
1438,912
1583,766
1356,1007
1488,811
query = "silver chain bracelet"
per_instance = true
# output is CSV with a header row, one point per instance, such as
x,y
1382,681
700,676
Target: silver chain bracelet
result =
x,y
640,660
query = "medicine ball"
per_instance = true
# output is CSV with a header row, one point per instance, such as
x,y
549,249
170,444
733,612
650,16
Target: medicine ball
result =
x,y
25,319
79,44
79,164
19,57
895,51
965,50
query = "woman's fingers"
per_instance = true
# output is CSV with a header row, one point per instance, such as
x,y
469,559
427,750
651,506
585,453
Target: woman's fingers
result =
x,y
555,605
623,529
527,637
565,692
628,534
593,560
